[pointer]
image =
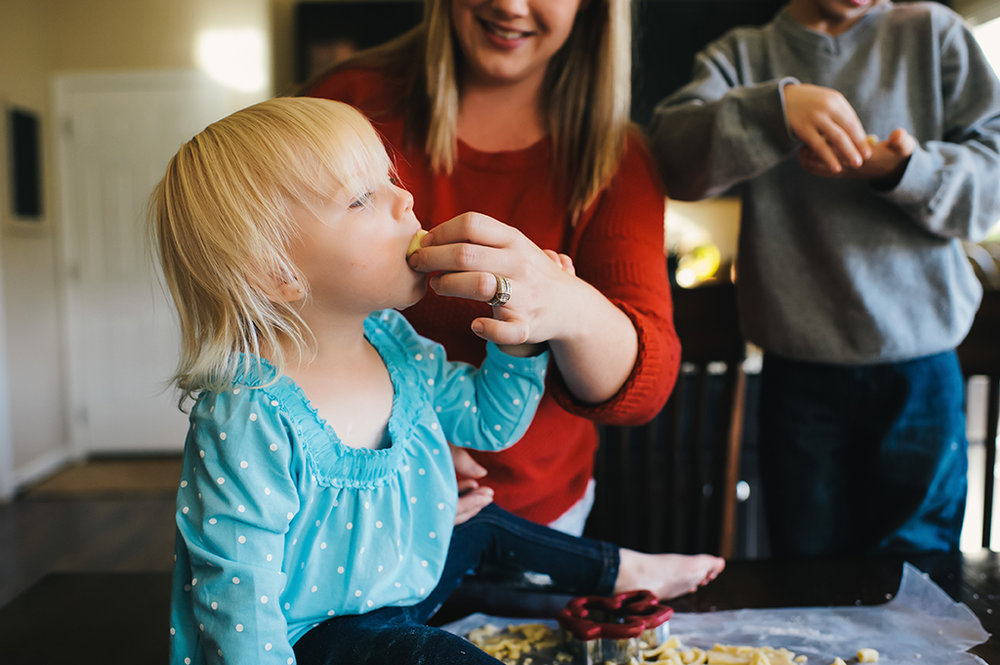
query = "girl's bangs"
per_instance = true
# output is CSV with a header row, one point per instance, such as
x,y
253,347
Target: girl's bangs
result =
x,y
350,156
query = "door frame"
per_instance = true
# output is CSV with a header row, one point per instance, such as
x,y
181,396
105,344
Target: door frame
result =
x,y
8,483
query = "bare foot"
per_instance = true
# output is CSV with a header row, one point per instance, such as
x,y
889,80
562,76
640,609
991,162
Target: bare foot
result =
x,y
666,575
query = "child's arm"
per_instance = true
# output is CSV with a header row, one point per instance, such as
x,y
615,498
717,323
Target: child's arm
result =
x,y
234,508
718,131
947,185
489,407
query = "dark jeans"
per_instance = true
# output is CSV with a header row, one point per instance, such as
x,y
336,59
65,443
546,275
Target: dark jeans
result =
x,y
863,458
530,555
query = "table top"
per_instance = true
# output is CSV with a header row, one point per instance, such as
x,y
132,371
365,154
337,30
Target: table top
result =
x,y
111,618
971,578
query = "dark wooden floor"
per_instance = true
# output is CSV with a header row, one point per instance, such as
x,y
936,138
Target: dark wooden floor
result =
x,y
122,533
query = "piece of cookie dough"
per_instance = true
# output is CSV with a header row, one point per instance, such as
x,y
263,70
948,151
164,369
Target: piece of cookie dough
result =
x,y
415,242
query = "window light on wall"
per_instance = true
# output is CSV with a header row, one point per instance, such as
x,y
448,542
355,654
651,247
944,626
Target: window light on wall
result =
x,y
235,57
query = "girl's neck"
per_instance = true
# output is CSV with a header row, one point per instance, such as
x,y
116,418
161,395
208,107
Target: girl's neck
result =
x,y
501,118
336,338
346,382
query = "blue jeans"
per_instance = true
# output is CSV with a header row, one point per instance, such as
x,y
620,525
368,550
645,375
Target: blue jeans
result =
x,y
530,555
863,458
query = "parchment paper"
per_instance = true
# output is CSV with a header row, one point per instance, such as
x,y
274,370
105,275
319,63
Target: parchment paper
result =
x,y
922,625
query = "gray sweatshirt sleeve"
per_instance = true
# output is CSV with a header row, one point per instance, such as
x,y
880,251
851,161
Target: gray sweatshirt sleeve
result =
x,y
951,187
719,130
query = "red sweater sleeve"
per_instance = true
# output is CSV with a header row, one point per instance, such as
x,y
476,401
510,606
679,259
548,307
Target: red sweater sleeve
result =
x,y
618,248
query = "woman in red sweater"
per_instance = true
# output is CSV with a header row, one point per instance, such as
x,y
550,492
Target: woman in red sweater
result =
x,y
519,110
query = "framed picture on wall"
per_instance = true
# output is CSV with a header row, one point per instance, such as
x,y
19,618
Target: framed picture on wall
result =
x,y
22,187
327,32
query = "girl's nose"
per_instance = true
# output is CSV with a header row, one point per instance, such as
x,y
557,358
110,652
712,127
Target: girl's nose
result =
x,y
404,202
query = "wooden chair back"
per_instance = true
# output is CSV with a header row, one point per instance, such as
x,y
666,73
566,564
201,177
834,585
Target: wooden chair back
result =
x,y
670,485
979,355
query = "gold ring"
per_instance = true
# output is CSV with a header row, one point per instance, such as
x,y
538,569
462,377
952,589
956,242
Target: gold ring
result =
x,y
502,294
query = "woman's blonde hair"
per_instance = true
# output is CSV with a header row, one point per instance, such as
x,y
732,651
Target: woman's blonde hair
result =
x,y
222,222
586,96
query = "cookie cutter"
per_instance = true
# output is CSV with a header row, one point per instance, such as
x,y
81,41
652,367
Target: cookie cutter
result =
x,y
611,628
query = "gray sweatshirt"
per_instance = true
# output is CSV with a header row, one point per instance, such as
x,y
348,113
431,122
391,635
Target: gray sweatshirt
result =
x,y
831,269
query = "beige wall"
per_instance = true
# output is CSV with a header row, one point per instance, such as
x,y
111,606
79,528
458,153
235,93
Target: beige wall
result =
x,y
28,261
39,40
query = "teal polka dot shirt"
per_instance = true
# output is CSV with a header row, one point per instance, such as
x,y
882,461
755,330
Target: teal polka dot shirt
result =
x,y
281,526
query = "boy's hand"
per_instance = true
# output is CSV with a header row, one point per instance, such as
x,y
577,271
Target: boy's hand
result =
x,y
884,168
826,122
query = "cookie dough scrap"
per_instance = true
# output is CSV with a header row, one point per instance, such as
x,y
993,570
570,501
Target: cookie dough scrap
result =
x,y
516,640
672,653
415,242
527,643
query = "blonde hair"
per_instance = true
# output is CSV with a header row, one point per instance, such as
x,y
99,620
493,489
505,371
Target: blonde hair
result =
x,y
586,96
222,223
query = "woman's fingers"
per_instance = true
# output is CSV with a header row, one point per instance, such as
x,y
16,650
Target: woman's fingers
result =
x,y
474,285
564,262
476,257
471,497
466,465
471,502
475,228
508,324
504,332
464,255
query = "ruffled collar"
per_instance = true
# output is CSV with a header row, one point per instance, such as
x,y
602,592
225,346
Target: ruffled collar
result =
x,y
331,461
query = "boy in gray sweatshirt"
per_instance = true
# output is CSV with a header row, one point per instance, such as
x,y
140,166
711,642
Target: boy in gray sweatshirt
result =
x,y
864,139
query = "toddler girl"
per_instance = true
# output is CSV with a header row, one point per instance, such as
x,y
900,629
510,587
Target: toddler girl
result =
x,y
316,504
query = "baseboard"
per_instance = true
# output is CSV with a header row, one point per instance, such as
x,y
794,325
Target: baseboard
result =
x,y
41,467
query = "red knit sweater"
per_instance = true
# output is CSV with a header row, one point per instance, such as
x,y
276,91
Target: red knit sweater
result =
x,y
617,246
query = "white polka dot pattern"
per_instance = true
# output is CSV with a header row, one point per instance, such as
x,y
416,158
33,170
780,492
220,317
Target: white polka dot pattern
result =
x,y
283,527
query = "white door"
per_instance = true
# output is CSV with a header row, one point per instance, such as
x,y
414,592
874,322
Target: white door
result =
x,y
116,133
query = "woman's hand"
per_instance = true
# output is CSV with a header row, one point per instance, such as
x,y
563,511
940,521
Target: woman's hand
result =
x,y
548,302
471,496
825,121
471,250
525,350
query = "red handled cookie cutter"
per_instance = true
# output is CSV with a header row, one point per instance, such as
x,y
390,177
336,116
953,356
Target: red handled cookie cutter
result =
x,y
611,627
